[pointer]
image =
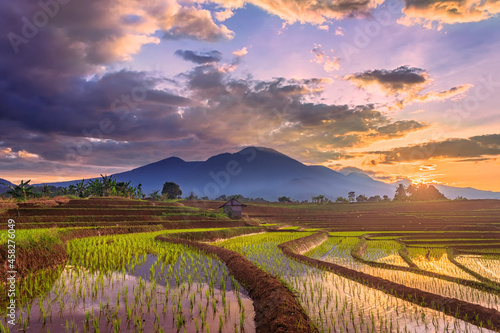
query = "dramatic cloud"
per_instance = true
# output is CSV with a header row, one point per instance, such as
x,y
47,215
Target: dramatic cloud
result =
x,y
401,79
316,12
100,121
405,83
435,13
464,149
199,57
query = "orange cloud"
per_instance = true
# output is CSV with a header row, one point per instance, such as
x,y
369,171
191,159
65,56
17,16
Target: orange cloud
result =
x,y
435,13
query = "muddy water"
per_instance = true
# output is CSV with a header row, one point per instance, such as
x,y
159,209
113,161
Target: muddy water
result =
x,y
194,294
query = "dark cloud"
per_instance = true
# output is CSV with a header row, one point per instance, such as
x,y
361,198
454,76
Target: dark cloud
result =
x,y
471,149
200,57
403,78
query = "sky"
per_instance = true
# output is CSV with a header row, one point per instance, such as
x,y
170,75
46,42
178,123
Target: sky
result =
x,y
395,89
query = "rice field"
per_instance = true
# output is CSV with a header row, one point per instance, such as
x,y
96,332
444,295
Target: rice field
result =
x,y
486,265
337,250
337,304
132,283
436,260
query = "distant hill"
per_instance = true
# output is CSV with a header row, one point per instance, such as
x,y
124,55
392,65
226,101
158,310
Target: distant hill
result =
x,y
4,188
262,172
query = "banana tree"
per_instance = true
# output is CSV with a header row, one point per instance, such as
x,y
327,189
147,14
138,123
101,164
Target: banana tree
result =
x,y
108,185
21,191
81,189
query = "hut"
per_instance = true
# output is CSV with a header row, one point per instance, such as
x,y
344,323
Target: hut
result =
x,y
233,208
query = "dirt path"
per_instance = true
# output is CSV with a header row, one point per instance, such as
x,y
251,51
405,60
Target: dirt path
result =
x,y
276,309
472,313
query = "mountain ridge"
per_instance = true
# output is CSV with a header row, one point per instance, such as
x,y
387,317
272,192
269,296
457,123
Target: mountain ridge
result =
x,y
266,173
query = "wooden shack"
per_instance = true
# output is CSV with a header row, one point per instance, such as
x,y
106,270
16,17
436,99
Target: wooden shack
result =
x,y
233,208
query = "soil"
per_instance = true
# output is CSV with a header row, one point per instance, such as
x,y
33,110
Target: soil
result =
x,y
276,309
472,313
468,215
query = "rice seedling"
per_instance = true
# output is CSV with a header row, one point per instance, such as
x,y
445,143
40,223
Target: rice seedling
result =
x,y
135,280
334,302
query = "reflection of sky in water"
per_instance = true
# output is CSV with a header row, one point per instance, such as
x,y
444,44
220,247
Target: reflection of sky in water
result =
x,y
340,255
338,303
75,286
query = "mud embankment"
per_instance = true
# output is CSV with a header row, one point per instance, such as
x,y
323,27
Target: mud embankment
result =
x,y
472,313
212,236
276,309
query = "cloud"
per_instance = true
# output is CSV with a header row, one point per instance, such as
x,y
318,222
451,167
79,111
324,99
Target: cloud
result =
x,y
196,24
330,63
319,54
433,14
339,31
241,52
316,12
476,147
401,79
406,84
199,57
223,15
377,175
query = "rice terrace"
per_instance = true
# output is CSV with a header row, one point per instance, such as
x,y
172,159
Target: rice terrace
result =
x,y
113,264
249,166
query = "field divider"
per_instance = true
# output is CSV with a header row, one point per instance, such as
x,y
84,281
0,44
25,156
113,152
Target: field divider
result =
x,y
469,312
451,257
276,308
482,286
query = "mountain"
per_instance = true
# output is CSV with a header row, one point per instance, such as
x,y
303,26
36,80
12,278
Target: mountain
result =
x,y
263,172
4,188
253,172
466,192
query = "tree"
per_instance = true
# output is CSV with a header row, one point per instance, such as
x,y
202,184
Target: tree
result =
x,y
81,189
341,200
138,192
351,196
95,188
375,198
192,196
21,191
221,197
171,190
108,185
318,199
155,195
284,199
46,190
424,192
386,198
400,194
361,198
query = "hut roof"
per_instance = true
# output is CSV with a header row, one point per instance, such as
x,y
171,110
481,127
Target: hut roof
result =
x,y
233,202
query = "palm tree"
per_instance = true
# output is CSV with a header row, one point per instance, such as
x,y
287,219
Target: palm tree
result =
x,y
21,191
